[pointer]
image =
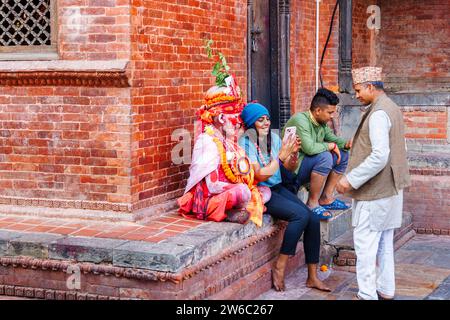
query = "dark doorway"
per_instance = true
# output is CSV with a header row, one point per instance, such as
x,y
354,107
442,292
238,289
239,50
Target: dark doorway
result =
x,y
268,63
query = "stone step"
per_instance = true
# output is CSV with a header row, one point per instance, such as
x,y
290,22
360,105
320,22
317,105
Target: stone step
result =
x,y
340,223
195,264
174,254
334,227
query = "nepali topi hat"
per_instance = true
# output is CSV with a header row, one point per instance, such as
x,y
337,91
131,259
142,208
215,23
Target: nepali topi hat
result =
x,y
366,74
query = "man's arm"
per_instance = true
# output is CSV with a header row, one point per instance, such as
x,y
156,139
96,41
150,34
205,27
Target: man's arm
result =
x,y
309,146
331,137
379,126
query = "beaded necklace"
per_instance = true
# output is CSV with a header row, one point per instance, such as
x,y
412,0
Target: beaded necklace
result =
x,y
261,155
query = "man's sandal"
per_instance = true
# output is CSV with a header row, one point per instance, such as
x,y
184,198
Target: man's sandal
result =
x,y
320,211
336,205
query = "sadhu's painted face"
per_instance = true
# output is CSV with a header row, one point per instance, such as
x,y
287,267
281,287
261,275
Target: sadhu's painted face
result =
x,y
231,123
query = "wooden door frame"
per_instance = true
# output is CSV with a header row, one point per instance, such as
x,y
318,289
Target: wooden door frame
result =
x,y
345,46
280,58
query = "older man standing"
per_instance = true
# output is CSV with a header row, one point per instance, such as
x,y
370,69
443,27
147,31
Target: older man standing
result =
x,y
376,175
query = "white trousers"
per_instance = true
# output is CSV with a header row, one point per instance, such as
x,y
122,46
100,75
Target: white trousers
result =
x,y
375,259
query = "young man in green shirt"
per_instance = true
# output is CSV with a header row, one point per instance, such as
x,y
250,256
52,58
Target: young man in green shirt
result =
x,y
323,156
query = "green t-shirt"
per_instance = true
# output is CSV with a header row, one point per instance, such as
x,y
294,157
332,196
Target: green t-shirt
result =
x,y
315,137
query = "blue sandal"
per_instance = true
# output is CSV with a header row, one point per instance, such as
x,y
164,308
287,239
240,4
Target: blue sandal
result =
x,y
320,212
336,205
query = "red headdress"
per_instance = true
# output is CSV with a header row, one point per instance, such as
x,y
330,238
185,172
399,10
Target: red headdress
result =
x,y
223,98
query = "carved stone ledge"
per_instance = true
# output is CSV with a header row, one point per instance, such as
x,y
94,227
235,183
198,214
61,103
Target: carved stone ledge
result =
x,y
64,73
66,204
135,273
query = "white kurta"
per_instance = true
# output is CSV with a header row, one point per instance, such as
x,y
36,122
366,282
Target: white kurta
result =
x,y
375,220
385,213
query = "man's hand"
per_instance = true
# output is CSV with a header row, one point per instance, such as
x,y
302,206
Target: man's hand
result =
x,y
343,185
334,148
299,144
349,144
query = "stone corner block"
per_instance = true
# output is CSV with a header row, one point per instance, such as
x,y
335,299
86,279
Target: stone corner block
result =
x,y
32,245
169,257
83,249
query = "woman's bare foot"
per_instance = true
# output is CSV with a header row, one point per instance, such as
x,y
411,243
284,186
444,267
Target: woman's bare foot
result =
x,y
278,278
317,284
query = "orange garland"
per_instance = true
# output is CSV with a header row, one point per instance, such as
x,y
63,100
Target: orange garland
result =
x,y
226,168
255,206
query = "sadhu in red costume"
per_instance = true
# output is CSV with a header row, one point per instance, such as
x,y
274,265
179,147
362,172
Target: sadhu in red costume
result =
x,y
221,184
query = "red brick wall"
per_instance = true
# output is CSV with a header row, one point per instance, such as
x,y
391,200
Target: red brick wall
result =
x,y
360,34
171,73
303,46
94,29
428,199
71,143
64,143
413,44
426,124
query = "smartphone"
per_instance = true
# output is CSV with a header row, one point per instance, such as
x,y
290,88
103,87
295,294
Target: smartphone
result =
x,y
289,132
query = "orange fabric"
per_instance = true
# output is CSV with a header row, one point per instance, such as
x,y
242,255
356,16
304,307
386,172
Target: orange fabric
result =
x,y
255,206
216,206
219,204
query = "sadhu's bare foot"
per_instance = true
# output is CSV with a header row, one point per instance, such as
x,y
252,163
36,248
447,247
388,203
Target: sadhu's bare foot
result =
x,y
238,216
278,278
317,284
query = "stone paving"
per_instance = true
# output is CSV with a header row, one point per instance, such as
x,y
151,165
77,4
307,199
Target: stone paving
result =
x,y
422,273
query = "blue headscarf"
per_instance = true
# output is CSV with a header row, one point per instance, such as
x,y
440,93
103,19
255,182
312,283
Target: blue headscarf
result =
x,y
252,112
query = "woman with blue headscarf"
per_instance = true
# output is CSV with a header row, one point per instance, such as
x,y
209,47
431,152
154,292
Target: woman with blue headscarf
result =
x,y
269,155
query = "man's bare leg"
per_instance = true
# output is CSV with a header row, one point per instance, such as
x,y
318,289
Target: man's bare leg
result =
x,y
317,182
328,190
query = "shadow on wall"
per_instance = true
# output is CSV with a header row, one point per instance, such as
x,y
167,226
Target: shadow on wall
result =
x,y
349,116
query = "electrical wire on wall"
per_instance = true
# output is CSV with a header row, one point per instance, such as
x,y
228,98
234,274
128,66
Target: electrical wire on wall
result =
x,y
323,55
326,42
